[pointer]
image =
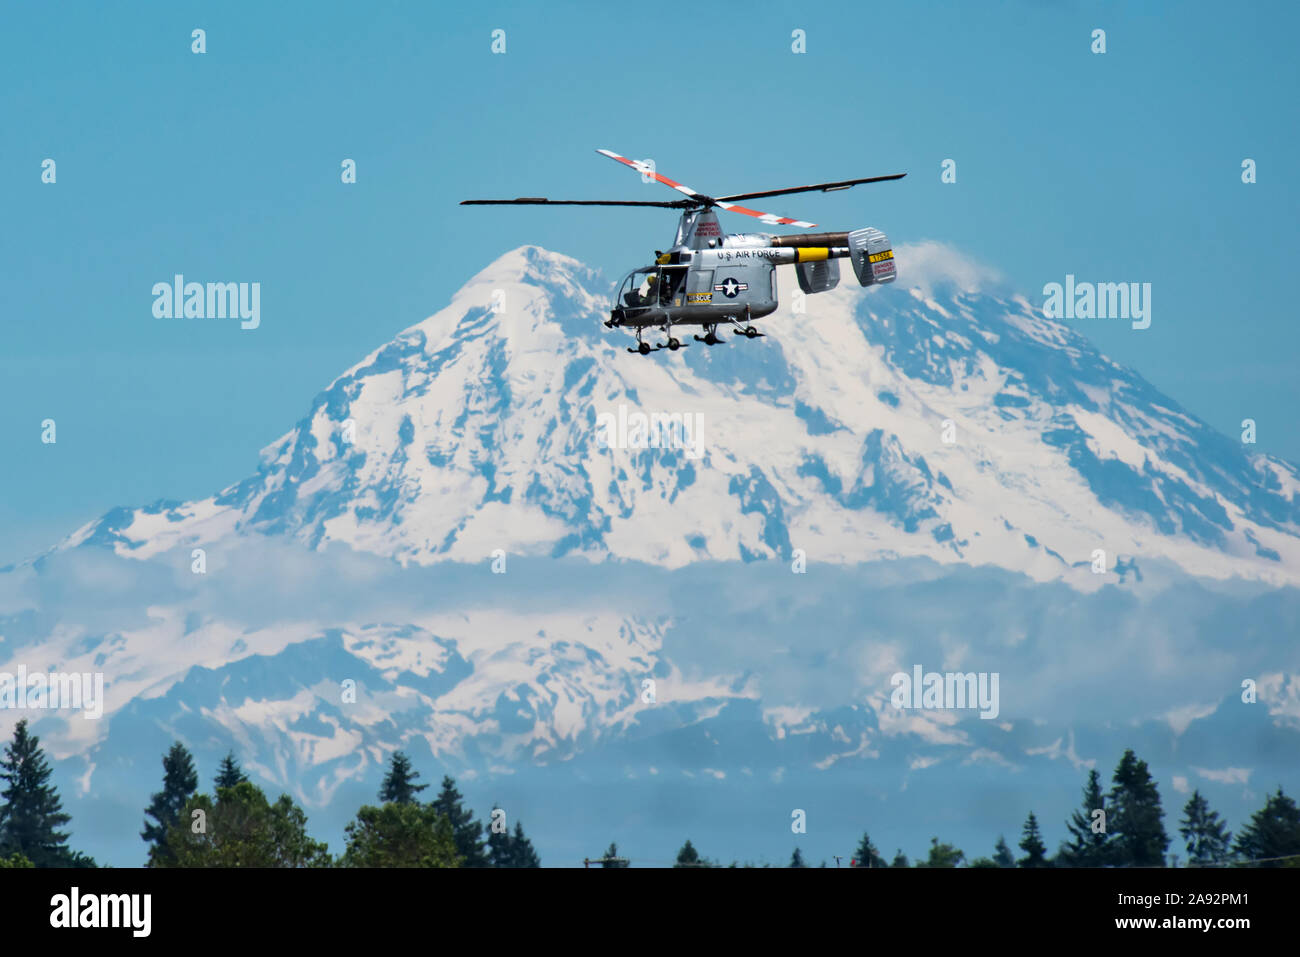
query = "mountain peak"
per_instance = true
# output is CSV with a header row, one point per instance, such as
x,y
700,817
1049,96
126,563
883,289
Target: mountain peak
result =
x,y
942,419
529,263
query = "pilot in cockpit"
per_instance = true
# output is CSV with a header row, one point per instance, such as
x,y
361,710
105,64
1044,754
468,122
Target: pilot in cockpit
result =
x,y
644,294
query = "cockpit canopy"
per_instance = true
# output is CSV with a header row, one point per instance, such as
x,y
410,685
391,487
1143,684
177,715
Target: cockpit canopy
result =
x,y
650,286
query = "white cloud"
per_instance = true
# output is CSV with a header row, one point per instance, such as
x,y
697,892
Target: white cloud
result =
x,y
987,756
1055,750
929,263
1225,775
1180,718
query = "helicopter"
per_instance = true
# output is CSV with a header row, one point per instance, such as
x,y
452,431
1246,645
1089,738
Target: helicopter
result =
x,y
709,278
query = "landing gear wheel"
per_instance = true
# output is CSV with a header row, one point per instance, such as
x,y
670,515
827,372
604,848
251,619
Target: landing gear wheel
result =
x,y
643,348
751,332
674,344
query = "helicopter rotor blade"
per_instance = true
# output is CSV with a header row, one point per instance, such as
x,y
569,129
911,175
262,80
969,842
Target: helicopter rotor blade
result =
x,y
819,187
539,201
768,218
646,170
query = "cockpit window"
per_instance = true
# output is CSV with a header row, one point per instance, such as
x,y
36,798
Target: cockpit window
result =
x,y
671,282
638,289
653,287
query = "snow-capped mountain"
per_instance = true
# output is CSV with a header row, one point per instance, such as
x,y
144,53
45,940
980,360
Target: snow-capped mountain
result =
x,y
948,421
639,633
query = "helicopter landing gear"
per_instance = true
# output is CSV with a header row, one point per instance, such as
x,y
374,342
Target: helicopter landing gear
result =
x,y
710,337
748,331
673,343
643,348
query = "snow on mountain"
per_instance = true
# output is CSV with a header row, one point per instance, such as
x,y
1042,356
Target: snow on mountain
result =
x,y
476,430
362,552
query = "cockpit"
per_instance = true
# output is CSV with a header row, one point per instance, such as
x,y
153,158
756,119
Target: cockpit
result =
x,y
652,286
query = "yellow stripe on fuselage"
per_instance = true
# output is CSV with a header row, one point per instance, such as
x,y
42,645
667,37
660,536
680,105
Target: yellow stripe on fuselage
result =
x,y
811,254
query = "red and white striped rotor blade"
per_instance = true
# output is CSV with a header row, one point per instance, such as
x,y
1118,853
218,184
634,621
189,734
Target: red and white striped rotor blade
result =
x,y
768,218
646,170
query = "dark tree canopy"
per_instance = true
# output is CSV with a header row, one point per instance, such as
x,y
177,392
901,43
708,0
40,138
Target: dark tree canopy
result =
x,y
400,785
1137,831
521,850
942,855
1031,842
1085,846
229,773
31,815
866,854
1205,833
505,849
466,830
688,856
180,781
1273,832
399,835
1002,855
242,829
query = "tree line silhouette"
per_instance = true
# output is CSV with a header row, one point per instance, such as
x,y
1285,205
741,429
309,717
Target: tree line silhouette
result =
x,y
236,825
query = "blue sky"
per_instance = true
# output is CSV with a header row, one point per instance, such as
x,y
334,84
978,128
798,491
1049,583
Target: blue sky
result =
x,y
225,167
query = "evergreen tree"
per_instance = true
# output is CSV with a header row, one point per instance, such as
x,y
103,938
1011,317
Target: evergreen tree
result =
x,y
1086,848
399,785
900,859
612,852
796,859
32,812
180,781
399,834
242,829
229,773
942,855
1137,831
1273,831
466,829
1002,855
1031,842
688,856
1206,834
983,862
521,850
866,855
